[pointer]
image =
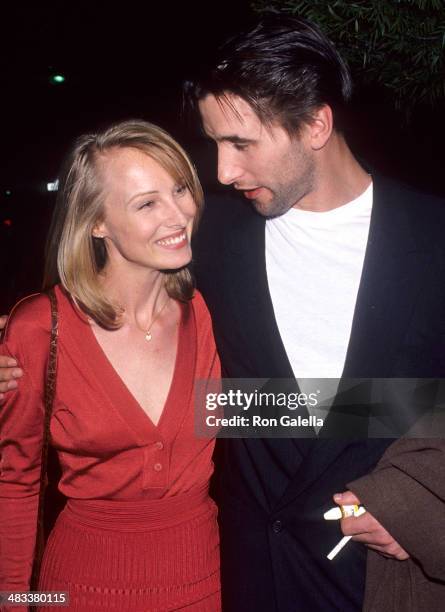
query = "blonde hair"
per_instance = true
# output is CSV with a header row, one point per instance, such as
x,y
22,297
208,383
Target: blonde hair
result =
x,y
73,256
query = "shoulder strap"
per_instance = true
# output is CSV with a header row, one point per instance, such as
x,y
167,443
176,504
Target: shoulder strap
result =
x,y
50,391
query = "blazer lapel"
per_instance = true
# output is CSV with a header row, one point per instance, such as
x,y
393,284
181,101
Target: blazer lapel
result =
x,y
392,278
252,306
320,457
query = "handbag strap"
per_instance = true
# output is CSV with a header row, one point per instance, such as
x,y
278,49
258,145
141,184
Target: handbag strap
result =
x,y
49,395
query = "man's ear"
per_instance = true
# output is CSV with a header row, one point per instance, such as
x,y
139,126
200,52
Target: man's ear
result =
x,y
320,127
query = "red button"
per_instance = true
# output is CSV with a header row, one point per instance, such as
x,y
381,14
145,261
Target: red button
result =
x,y
157,467
159,445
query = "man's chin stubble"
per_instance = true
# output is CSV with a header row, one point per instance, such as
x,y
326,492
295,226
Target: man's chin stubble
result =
x,y
271,210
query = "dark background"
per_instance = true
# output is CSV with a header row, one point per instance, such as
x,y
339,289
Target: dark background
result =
x,y
129,62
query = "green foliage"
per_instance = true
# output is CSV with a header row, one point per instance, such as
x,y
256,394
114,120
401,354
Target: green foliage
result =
x,y
395,43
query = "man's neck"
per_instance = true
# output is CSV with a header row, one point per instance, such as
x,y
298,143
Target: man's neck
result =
x,y
339,178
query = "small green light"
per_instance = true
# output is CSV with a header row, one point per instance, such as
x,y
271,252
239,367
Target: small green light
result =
x,y
57,79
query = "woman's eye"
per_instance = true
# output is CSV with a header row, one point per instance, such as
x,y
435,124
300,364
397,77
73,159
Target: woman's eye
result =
x,y
148,204
180,189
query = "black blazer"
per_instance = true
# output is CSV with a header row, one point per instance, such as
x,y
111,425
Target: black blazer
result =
x,y
272,493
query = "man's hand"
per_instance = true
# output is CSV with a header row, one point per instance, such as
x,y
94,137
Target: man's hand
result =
x,y
9,371
368,530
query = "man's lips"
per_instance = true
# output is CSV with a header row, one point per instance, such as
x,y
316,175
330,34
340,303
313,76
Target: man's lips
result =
x,y
251,194
174,241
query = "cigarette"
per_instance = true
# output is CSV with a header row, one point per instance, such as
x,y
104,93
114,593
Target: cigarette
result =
x,y
334,552
338,547
340,512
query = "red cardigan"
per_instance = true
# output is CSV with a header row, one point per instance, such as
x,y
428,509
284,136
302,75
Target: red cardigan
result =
x,y
107,445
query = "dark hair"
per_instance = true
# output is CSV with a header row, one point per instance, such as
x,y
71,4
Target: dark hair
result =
x,y
285,68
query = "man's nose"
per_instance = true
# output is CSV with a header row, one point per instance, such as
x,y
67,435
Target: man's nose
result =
x,y
228,170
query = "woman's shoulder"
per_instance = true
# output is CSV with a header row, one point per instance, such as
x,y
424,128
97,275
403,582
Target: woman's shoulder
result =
x,y
27,332
29,321
202,313
32,311
207,359
203,321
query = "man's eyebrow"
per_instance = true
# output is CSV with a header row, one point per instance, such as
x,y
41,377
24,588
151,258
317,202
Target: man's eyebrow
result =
x,y
232,138
236,139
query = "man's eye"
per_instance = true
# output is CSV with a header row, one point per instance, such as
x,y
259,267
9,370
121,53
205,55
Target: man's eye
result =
x,y
240,147
147,204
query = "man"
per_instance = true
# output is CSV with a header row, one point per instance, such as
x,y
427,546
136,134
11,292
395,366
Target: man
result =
x,y
328,280
330,273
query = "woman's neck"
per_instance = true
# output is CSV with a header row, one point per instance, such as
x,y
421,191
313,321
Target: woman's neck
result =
x,y
140,295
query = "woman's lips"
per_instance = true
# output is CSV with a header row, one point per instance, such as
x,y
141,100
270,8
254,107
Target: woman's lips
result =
x,y
174,241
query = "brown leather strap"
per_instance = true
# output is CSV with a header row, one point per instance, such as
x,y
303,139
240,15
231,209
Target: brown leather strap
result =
x,y
50,392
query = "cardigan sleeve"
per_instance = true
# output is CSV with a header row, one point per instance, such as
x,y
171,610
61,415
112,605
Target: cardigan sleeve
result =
x,y
21,433
406,494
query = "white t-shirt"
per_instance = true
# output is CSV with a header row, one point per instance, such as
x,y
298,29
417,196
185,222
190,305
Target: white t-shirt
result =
x,y
314,262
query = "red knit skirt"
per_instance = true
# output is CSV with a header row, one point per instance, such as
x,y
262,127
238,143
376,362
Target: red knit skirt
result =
x,y
135,556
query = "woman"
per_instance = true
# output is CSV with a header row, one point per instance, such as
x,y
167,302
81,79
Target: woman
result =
x,y
139,530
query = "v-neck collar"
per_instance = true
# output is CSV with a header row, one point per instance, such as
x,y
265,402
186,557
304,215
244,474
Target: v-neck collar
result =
x,y
121,398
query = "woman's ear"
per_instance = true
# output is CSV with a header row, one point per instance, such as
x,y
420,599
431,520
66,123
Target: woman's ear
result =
x,y
98,230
